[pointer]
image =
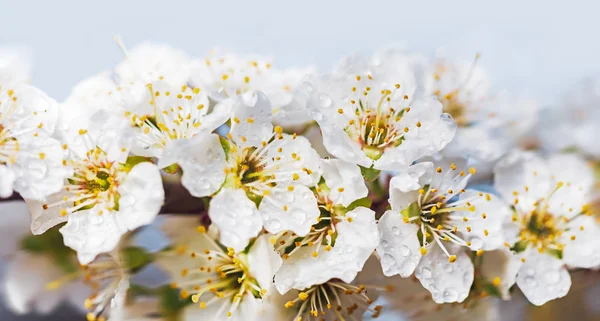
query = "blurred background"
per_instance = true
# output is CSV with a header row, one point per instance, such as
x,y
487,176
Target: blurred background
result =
x,y
535,48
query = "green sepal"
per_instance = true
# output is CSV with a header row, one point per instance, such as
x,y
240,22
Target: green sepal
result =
x,y
132,161
364,202
411,211
226,147
556,253
369,174
520,246
171,169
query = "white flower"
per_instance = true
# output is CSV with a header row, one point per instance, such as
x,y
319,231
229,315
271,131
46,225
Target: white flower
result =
x,y
227,75
15,65
431,214
373,118
223,284
149,62
550,226
30,159
103,197
27,287
489,124
572,123
177,113
340,243
263,177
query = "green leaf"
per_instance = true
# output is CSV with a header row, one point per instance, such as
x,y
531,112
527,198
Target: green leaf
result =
x,y
519,246
369,174
364,202
136,257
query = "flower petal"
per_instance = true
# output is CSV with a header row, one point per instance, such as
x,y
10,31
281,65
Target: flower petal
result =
x,y
584,250
355,242
399,247
293,207
142,196
236,217
404,186
543,278
344,180
263,261
447,282
482,226
202,160
524,173
90,234
251,123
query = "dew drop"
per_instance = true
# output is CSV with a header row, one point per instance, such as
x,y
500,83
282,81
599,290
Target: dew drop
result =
x,y
404,250
551,277
450,295
426,272
324,100
530,281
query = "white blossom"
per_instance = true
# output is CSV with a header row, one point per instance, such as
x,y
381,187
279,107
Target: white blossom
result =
x,y
223,284
376,119
226,75
432,215
345,236
550,226
30,158
104,196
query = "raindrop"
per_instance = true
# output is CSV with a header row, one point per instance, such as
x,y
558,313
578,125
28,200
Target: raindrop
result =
x,y
530,281
426,273
324,100
404,250
388,260
407,268
385,244
396,230
299,216
551,277
450,295
273,225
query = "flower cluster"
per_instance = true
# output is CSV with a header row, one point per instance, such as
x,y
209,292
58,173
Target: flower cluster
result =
x,y
395,182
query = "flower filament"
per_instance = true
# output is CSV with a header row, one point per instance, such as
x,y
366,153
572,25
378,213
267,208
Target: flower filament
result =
x,y
336,299
376,127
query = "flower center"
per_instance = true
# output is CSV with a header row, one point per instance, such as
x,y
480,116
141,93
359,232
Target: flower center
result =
x,y
217,274
178,118
375,127
438,215
336,299
540,229
95,182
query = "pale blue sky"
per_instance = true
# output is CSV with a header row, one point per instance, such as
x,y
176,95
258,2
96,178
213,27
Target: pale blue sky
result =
x,y
529,47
